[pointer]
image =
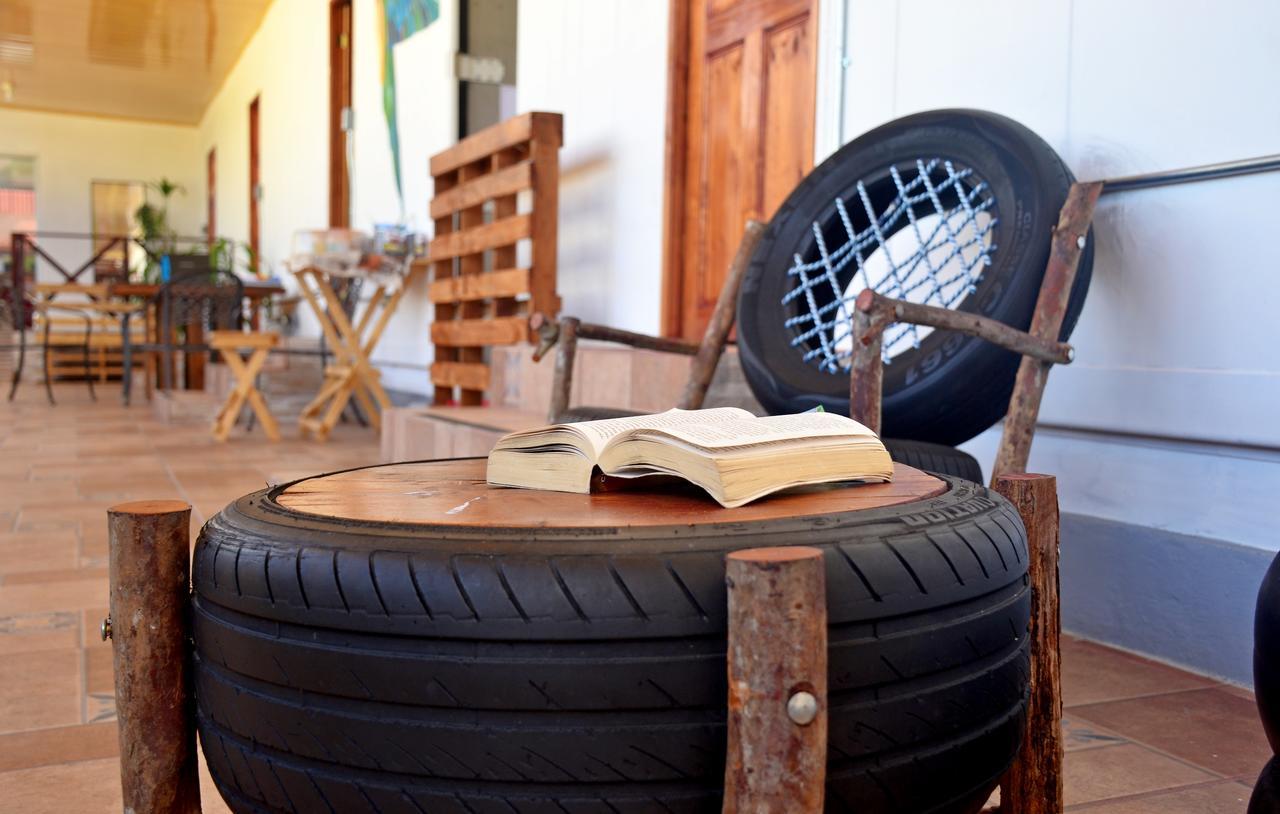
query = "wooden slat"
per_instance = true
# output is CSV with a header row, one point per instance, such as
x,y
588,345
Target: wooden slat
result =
x,y
473,241
485,187
473,332
467,375
513,131
504,283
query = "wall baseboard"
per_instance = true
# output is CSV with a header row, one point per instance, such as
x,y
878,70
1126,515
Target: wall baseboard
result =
x,y
1178,598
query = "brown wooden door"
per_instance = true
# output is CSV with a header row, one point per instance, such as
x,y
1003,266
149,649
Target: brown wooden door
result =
x,y
255,187
741,136
340,45
211,198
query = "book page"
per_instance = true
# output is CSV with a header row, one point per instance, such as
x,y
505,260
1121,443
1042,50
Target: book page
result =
x,y
744,429
600,433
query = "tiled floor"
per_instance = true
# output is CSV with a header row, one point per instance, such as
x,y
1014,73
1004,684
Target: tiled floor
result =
x,y
1142,737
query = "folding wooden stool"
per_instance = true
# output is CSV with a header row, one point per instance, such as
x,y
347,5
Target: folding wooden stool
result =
x,y
229,344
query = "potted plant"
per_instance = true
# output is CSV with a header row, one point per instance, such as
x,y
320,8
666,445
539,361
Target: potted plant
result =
x,y
157,236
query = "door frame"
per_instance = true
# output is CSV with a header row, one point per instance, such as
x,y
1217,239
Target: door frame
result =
x,y
341,80
255,183
211,196
673,203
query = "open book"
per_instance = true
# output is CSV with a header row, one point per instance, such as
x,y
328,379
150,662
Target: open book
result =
x,y
733,455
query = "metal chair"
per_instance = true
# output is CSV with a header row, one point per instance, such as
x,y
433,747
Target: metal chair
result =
x,y
197,301
60,325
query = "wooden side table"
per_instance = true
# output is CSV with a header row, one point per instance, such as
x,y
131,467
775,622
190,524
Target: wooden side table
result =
x,y
432,638
351,374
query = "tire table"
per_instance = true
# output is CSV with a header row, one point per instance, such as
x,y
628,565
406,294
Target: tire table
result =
x,y
405,638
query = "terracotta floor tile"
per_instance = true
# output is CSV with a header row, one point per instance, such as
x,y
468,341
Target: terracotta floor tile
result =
x,y
1116,771
53,575
39,689
63,744
1092,673
1210,728
1225,797
49,596
98,676
26,551
25,633
90,625
1080,734
87,787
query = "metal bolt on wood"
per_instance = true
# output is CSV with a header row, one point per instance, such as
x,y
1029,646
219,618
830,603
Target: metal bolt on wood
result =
x,y
802,708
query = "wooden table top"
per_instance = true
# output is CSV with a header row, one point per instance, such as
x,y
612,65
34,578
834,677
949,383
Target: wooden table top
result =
x,y
454,493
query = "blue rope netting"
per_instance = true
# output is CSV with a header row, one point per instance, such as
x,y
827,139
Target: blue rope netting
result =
x,y
943,256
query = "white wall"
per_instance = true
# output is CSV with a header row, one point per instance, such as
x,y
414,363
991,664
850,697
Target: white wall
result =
x,y
603,64
286,65
73,151
1178,336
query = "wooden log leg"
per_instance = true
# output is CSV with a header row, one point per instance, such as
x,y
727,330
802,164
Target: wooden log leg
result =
x,y
149,627
1033,785
866,370
562,379
777,751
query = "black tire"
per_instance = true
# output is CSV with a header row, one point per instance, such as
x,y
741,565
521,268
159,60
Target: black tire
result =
x,y
1266,792
1266,653
357,668
952,386
935,458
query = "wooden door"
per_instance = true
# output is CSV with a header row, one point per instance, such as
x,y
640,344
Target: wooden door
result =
x,y
740,136
211,198
255,187
340,45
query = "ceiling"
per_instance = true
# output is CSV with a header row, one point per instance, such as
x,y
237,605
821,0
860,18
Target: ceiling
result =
x,y
161,60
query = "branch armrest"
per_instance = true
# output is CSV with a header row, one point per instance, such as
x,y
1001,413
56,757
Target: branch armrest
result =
x,y
884,311
550,332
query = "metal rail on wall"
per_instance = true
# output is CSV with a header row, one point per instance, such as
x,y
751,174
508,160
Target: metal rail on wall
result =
x,y
1203,172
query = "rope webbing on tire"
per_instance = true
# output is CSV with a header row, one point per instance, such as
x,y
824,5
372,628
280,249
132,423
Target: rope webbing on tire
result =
x,y
950,251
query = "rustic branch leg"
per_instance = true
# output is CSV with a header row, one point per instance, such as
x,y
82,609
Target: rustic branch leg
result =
x,y
866,367
562,381
777,749
1033,785
149,628
1046,323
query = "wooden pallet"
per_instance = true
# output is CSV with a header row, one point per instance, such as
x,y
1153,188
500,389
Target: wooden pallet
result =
x,y
494,192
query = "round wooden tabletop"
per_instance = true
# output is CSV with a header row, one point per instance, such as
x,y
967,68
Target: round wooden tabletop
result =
x,y
454,493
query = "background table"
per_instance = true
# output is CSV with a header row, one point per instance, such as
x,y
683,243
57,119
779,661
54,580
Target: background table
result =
x,y
254,293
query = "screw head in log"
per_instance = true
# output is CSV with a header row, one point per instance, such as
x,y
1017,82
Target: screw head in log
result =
x,y
802,708
105,629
